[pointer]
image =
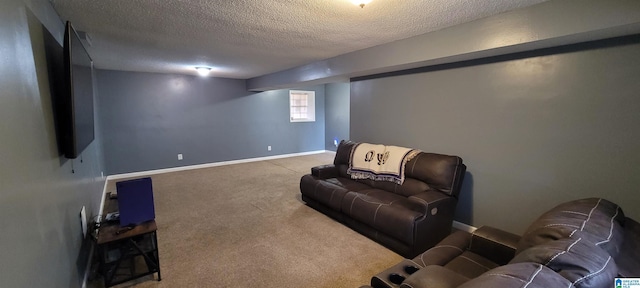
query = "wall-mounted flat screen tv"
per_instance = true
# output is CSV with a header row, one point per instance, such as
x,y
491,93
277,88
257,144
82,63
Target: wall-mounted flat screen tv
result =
x,y
76,105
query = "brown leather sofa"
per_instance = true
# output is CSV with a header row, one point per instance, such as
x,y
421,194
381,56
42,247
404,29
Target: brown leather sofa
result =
x,y
581,243
407,218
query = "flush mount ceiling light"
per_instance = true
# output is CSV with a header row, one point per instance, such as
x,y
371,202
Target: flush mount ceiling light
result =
x,y
203,71
361,3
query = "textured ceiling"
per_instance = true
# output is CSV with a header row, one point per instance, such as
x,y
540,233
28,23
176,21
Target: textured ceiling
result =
x,y
249,38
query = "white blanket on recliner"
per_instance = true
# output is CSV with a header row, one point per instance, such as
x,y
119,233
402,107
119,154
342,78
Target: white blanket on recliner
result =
x,y
379,162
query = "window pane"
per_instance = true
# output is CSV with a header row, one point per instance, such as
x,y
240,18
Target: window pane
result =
x,y
301,106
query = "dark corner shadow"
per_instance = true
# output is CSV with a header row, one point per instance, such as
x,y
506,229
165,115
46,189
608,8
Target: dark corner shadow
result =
x,y
464,210
49,68
82,262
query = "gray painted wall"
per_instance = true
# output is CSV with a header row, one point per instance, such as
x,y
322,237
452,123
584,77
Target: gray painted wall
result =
x,y
336,113
148,118
41,242
533,132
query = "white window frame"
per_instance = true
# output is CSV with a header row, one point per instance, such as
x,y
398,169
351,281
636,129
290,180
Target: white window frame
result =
x,y
302,106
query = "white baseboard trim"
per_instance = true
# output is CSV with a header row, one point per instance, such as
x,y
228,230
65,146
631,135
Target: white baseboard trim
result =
x,y
208,165
463,227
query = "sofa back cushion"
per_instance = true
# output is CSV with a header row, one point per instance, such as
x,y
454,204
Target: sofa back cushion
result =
x,y
424,172
576,259
595,219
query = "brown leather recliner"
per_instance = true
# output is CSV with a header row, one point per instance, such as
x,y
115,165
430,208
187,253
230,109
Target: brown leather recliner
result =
x,y
581,243
407,218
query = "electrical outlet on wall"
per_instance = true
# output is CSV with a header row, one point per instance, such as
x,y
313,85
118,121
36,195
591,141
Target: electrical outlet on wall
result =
x,y
179,156
268,148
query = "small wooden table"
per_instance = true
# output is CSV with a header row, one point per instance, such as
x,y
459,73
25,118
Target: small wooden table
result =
x,y
127,253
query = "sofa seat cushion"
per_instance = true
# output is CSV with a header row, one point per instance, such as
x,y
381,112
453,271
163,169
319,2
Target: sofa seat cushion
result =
x,y
329,193
389,213
351,185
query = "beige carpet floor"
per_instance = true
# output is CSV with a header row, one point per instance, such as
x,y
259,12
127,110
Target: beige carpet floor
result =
x,y
245,225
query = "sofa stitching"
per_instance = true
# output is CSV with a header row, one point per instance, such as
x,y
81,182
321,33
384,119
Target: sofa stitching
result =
x,y
473,261
533,277
376,214
594,273
359,197
421,200
444,246
561,224
426,214
505,275
562,252
372,202
573,232
589,217
422,258
439,246
437,200
610,229
574,212
351,207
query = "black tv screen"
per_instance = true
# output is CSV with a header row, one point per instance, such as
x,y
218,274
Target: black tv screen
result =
x,y
77,103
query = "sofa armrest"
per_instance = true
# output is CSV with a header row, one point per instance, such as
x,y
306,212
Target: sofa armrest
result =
x,y
434,276
432,200
494,244
325,171
435,224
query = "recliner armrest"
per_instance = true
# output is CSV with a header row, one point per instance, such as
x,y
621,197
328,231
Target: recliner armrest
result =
x,y
325,171
494,244
434,276
446,250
